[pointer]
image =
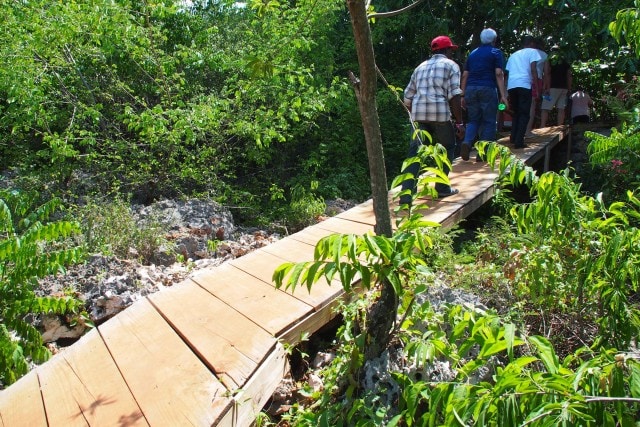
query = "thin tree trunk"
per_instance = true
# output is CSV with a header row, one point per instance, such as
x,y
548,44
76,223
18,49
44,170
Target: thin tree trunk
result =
x,y
366,94
382,312
381,317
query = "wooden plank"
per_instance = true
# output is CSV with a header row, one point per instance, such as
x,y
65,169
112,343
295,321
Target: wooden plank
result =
x,y
339,225
262,264
310,235
311,323
250,400
82,386
472,177
171,385
363,213
21,403
296,251
257,300
437,212
291,249
230,344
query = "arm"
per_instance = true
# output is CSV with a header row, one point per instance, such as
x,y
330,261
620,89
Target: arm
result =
x,y
456,108
546,77
408,103
455,104
502,91
463,86
409,93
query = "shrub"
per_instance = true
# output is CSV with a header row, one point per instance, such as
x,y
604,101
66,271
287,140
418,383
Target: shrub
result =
x,y
31,247
111,228
617,159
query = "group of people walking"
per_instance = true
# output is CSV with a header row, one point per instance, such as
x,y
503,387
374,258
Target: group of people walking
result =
x,y
446,101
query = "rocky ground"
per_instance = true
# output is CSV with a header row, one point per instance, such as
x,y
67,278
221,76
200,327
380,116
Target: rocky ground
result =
x,y
108,284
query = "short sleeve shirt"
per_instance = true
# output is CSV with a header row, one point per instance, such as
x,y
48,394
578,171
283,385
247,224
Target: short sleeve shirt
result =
x,y
481,66
580,104
519,68
433,83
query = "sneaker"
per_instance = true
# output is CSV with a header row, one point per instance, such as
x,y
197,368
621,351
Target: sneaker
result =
x,y
448,193
529,135
464,151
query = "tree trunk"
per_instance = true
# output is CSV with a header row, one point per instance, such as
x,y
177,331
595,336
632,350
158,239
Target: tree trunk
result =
x,y
380,320
382,313
366,94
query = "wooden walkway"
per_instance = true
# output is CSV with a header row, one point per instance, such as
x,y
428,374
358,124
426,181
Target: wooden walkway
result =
x,y
211,350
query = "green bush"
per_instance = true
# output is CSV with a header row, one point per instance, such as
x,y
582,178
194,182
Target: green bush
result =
x,y
563,254
616,158
497,377
111,228
31,247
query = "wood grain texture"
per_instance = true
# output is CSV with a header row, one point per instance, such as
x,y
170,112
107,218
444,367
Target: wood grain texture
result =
x,y
82,386
21,404
257,300
172,386
230,344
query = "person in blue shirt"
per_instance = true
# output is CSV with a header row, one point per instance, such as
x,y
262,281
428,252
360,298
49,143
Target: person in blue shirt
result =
x,y
483,87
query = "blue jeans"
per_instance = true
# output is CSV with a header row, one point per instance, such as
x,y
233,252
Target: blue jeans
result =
x,y
520,102
442,133
482,110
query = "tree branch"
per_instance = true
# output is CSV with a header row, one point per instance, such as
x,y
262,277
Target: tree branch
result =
x,y
590,399
394,12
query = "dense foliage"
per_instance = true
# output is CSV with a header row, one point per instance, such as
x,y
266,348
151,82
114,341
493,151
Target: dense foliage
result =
x,y
157,100
31,246
240,102
560,275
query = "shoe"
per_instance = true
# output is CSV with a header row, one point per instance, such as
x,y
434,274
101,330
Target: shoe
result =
x,y
448,193
529,135
519,147
464,151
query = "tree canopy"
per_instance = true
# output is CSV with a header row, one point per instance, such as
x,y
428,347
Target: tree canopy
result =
x,y
245,101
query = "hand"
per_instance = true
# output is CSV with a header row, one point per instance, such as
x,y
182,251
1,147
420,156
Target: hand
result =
x,y
505,101
460,130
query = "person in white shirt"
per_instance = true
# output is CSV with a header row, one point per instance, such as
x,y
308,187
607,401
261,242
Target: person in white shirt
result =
x,y
581,104
536,90
522,74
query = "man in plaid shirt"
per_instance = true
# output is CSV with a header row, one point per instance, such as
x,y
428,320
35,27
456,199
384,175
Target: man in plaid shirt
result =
x,y
432,95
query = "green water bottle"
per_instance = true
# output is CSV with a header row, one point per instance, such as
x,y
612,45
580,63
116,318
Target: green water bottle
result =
x,y
502,107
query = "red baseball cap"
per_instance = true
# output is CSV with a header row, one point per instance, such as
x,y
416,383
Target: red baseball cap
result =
x,y
442,42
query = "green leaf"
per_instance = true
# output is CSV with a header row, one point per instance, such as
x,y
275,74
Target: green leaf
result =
x,y
509,336
634,381
546,352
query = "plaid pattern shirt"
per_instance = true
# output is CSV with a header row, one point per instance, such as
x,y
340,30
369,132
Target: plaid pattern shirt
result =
x,y
432,85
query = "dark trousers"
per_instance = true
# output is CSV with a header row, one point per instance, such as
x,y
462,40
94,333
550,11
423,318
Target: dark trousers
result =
x,y
442,133
520,102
